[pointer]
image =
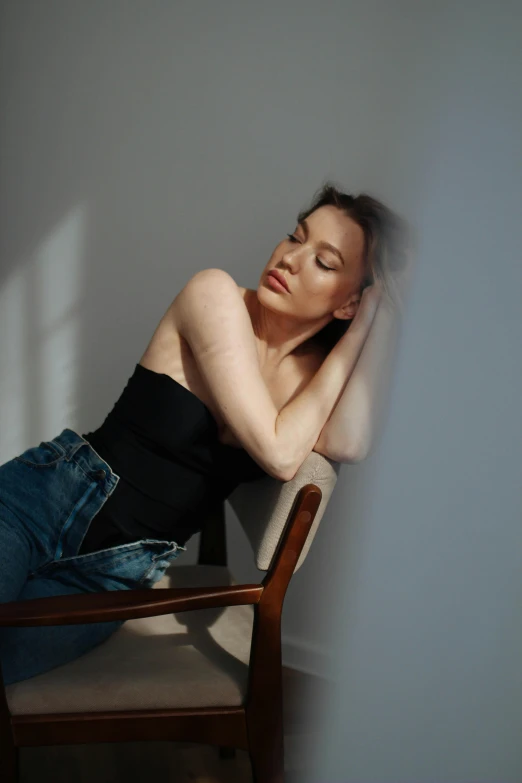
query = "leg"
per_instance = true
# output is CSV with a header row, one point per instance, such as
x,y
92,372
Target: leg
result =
x,y
15,556
27,652
47,500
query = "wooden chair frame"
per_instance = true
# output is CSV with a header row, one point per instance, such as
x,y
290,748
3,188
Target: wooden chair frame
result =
x,y
256,726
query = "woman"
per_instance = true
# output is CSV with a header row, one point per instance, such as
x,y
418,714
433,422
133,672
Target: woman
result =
x,y
235,384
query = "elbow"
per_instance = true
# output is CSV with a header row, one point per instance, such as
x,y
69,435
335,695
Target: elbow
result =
x,y
353,458
349,455
287,475
276,470
282,464
284,474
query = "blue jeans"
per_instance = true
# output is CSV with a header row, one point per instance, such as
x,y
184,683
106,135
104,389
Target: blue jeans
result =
x,y
48,496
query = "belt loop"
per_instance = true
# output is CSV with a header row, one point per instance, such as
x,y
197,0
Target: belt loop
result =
x,y
72,449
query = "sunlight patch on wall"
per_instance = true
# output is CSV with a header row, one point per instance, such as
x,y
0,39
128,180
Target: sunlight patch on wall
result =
x,y
14,338
40,323
57,276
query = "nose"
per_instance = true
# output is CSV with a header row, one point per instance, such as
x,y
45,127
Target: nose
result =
x,y
291,256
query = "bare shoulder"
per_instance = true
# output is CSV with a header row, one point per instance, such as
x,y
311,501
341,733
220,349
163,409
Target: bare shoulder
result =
x,y
209,285
208,278
211,273
168,351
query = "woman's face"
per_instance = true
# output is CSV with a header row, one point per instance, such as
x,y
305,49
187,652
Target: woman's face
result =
x,y
322,262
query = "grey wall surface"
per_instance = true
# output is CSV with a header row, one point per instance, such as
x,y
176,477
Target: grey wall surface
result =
x,y
426,623
142,141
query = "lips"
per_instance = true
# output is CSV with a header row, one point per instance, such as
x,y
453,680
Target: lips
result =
x,y
279,276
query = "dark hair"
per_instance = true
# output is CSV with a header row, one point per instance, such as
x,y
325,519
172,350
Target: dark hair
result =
x,y
385,239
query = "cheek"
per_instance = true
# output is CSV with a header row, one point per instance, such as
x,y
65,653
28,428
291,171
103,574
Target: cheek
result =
x,y
317,288
316,298
319,285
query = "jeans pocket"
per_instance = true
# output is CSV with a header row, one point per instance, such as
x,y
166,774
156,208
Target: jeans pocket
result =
x,y
43,456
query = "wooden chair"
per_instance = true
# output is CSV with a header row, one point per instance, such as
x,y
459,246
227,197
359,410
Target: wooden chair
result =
x,y
199,658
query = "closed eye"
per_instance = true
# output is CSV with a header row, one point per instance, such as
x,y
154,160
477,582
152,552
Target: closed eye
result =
x,y
318,261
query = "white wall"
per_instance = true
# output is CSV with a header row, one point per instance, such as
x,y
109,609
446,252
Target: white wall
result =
x,y
143,141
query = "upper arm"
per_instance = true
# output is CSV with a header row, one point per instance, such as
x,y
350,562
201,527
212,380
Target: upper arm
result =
x,y
212,317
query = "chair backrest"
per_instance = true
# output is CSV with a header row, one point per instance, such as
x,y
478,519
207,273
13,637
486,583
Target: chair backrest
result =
x,y
263,506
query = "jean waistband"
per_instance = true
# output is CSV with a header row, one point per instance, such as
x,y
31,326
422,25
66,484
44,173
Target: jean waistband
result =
x,y
71,445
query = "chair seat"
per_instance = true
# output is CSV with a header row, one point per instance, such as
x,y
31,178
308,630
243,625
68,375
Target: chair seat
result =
x,y
189,659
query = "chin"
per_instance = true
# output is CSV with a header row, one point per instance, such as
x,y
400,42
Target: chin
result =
x,y
267,298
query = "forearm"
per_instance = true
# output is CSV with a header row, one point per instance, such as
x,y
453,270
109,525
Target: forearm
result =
x,y
351,429
299,423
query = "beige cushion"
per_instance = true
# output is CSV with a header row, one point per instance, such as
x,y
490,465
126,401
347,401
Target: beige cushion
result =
x,y
263,506
189,659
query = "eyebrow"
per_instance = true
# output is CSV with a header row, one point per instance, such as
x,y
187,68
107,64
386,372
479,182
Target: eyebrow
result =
x,y
325,245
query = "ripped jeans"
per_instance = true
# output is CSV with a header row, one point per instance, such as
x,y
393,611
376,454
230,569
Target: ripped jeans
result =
x,y
48,496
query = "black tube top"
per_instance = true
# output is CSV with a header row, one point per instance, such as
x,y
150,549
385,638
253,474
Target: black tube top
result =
x,y
162,441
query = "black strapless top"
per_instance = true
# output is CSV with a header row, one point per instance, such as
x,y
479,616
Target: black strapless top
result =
x,y
162,441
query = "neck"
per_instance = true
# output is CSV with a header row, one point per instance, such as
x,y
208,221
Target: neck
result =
x,y
277,336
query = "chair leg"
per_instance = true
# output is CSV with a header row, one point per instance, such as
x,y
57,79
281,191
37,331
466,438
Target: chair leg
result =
x,y
8,763
8,749
226,753
267,761
266,742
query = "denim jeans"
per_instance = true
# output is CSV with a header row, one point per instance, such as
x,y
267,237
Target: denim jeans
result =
x,y
48,496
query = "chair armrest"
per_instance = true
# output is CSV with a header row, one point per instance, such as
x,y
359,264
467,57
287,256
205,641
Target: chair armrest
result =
x,y
123,604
